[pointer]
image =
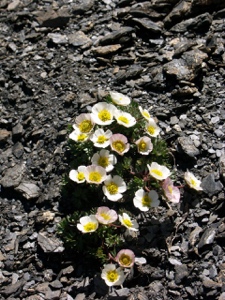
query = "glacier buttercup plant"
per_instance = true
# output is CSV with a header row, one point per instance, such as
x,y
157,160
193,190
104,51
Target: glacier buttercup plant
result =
x,y
121,169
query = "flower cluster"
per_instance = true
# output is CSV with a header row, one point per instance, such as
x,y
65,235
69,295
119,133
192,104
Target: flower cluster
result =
x,y
121,159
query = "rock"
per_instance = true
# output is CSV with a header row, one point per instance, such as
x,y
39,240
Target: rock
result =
x,y
13,288
13,5
222,166
17,131
49,244
210,186
82,6
52,295
52,18
13,176
18,150
28,190
178,13
186,145
120,36
207,237
181,272
79,38
132,72
58,38
105,50
4,135
148,25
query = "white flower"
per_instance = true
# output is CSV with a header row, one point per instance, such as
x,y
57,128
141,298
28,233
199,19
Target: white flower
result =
x,y
88,224
114,187
152,128
119,98
128,222
78,136
104,159
144,200
78,176
119,143
125,258
124,118
100,138
159,172
145,113
144,145
105,215
95,174
103,113
192,181
84,123
112,275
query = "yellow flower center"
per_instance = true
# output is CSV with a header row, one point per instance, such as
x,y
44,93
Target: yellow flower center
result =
x,y
127,222
125,260
104,115
193,182
157,172
80,176
103,161
119,146
95,176
85,126
123,119
81,137
170,189
151,129
146,114
112,188
105,216
101,139
90,226
146,201
142,146
112,276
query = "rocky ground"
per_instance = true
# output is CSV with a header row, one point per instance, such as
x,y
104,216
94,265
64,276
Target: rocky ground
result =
x,y
56,58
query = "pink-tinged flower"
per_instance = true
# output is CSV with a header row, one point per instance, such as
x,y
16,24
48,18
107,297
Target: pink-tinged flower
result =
x,y
158,171
192,181
125,258
171,192
119,143
106,215
112,275
95,174
144,145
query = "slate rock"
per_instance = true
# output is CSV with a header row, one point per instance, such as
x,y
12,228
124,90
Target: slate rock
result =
x,y
82,6
178,13
210,186
28,190
13,5
13,176
49,244
79,38
132,72
52,18
186,145
58,38
207,237
120,36
105,50
222,166
13,288
181,272
4,135
17,131
18,150
148,25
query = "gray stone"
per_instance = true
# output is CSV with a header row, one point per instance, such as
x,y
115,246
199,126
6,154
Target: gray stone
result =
x,y
17,131
222,166
18,150
28,190
105,50
207,237
58,38
210,186
117,37
4,135
13,176
79,38
181,272
53,18
82,6
49,244
186,145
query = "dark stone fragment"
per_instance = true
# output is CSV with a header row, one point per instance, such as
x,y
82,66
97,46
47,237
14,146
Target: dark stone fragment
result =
x,y
181,273
4,135
17,131
120,36
53,18
207,237
148,25
82,6
13,176
28,190
13,288
18,150
210,186
133,72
